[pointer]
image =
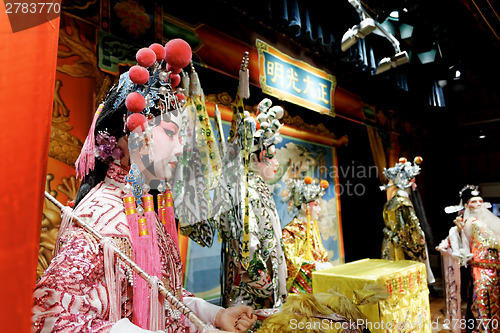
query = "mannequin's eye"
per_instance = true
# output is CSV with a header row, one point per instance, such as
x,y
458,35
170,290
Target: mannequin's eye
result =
x,y
169,133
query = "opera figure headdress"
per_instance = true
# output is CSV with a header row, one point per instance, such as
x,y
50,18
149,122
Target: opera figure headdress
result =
x,y
401,174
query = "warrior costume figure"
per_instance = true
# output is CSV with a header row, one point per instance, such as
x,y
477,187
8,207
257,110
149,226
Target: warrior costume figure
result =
x,y
255,268
404,239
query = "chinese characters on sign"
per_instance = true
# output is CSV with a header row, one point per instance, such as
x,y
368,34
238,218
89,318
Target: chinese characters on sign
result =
x,y
295,81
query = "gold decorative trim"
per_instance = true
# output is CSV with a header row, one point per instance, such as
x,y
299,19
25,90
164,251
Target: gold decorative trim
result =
x,y
63,146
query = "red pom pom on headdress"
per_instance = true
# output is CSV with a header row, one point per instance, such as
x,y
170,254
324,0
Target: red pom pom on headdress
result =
x,y
135,120
175,79
135,102
178,53
159,50
173,70
146,57
138,74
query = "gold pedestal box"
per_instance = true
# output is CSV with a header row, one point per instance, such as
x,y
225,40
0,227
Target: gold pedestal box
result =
x,y
406,310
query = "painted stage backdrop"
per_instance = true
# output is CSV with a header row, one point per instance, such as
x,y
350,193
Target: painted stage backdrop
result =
x,y
202,275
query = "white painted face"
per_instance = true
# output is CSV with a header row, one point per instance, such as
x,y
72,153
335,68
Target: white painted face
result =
x,y
267,164
167,149
475,203
315,209
156,151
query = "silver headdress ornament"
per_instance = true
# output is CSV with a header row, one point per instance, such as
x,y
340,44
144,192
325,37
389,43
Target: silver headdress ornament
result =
x,y
402,173
269,126
301,191
467,192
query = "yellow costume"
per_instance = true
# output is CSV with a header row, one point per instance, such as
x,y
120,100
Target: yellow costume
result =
x,y
403,237
300,264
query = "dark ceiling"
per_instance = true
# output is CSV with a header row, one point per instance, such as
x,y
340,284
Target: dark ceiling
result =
x,y
465,34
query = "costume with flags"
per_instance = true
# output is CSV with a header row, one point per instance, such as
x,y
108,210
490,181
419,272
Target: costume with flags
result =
x,y
254,264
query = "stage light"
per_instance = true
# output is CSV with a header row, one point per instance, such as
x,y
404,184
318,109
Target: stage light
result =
x,y
361,30
366,27
356,32
349,39
396,60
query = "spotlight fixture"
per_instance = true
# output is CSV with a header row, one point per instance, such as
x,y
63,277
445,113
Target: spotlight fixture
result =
x,y
400,58
396,60
361,30
367,26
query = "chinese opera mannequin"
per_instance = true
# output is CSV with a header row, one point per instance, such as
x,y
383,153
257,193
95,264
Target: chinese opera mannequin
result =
x,y
304,249
455,252
404,239
86,288
263,283
254,264
482,229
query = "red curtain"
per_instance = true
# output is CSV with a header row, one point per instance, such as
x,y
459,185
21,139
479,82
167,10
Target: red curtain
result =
x,y
27,78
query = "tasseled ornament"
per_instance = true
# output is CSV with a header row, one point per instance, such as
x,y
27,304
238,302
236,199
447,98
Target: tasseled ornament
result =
x,y
140,315
149,213
156,321
65,222
170,225
86,160
244,87
144,255
161,207
113,281
194,84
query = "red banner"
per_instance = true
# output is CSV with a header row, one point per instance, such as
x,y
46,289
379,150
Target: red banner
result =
x,y
27,81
